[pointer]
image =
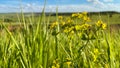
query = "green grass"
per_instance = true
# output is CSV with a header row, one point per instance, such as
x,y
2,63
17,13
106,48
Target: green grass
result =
x,y
106,17
36,47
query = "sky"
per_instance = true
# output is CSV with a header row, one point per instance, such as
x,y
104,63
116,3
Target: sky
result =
x,y
7,6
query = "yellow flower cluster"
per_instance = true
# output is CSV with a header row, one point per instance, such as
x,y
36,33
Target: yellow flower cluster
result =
x,y
69,26
60,17
81,15
75,15
54,24
83,27
100,24
96,54
68,62
85,18
86,26
69,21
78,27
67,29
55,64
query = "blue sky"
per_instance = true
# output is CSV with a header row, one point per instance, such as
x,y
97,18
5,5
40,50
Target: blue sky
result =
x,y
62,5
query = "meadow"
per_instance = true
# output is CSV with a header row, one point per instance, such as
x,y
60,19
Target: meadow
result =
x,y
78,40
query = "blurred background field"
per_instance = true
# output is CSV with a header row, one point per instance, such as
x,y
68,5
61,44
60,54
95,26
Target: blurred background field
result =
x,y
111,17
11,19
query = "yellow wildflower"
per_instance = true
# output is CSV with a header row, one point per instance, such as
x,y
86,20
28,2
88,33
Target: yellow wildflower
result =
x,y
74,15
77,27
68,62
69,21
60,17
68,29
72,32
104,26
96,51
86,26
53,25
80,15
85,18
100,24
53,67
63,23
56,64
95,57
65,30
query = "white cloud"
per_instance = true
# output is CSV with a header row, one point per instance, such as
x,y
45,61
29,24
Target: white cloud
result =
x,y
108,0
97,2
84,7
74,8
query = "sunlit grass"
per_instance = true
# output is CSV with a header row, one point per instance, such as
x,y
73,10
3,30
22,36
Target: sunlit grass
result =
x,y
68,42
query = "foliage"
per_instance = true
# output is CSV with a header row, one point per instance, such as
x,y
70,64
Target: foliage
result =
x,y
71,42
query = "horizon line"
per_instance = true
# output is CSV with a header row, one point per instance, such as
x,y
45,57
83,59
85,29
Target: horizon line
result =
x,y
62,12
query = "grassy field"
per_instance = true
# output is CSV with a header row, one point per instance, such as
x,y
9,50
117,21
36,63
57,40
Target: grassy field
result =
x,y
68,41
111,17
